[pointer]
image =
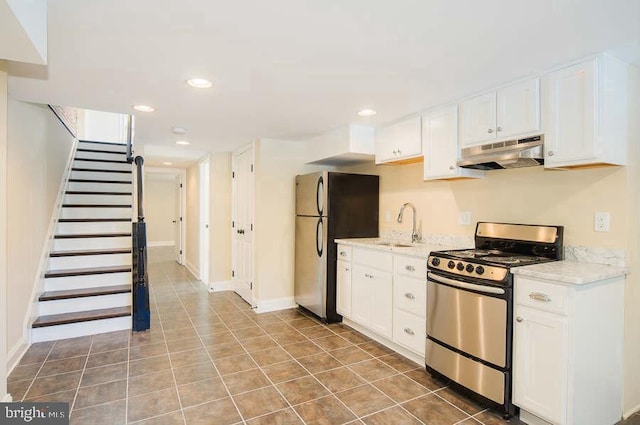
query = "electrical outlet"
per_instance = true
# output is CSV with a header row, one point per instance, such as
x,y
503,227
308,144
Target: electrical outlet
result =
x,y
464,217
602,221
387,216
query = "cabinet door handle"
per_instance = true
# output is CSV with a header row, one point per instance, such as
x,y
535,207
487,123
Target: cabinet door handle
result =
x,y
343,254
347,269
395,152
499,129
451,167
399,152
409,331
550,153
539,296
519,319
490,131
410,268
410,296
370,276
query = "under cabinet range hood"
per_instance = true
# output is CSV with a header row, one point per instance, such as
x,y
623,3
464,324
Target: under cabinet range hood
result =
x,y
509,154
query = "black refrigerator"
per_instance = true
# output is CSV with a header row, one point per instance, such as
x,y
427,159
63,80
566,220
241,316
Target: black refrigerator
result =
x,y
329,206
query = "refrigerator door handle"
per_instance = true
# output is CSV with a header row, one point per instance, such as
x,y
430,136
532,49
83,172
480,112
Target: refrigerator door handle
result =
x,y
320,196
319,238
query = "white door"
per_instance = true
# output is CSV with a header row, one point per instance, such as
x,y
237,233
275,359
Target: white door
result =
x,y
343,288
204,221
361,295
177,219
519,109
440,135
478,119
242,226
381,302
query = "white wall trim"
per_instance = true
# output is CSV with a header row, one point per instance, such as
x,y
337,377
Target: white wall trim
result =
x,y
275,304
7,398
191,268
631,411
221,285
16,352
161,243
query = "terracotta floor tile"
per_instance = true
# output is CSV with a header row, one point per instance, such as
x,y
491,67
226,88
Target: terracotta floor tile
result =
x,y
219,412
425,379
364,400
324,411
100,375
37,353
147,350
285,371
148,383
225,350
372,370
107,358
201,392
247,333
61,397
319,362
72,347
375,348
174,418
432,409
56,367
218,338
183,344
109,344
339,379
354,337
399,363
302,349
152,404
18,389
270,356
303,322
245,381
303,389
259,402
181,333
189,357
235,364
350,355
194,373
289,337
54,384
21,373
113,413
461,402
400,388
149,365
98,394
282,417
333,342
317,331
395,415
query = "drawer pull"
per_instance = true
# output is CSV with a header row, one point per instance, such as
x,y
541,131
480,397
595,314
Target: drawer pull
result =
x,y
347,269
343,253
519,319
410,268
539,296
410,296
370,276
409,331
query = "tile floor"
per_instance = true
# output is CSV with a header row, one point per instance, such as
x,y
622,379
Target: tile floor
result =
x,y
209,359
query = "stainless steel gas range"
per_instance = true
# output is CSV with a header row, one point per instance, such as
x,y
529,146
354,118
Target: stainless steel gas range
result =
x,y
470,307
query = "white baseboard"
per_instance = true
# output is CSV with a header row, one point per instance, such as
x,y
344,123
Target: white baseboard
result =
x,y
275,304
631,411
221,285
7,398
161,243
191,268
15,354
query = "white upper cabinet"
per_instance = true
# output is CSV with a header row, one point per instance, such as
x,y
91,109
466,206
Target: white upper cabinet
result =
x,y
586,114
399,141
509,112
440,145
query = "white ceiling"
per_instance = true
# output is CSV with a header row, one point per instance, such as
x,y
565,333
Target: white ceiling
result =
x,y
295,68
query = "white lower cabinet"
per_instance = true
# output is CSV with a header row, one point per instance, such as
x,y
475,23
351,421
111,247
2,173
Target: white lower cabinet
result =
x,y
343,288
568,351
371,299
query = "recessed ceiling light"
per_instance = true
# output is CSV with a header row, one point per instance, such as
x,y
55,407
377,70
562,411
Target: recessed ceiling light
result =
x,y
367,113
182,142
199,83
144,108
179,130
167,163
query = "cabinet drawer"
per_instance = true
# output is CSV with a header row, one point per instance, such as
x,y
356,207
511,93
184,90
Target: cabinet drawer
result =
x,y
410,266
410,295
541,295
373,258
409,330
344,252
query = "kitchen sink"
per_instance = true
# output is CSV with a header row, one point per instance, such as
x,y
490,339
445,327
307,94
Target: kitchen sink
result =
x,y
394,244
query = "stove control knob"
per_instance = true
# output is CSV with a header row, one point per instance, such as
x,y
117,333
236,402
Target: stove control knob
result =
x,y
479,269
460,266
469,268
451,264
435,262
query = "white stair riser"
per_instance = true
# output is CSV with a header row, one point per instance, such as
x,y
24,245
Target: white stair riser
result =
x,y
80,244
72,330
102,147
91,281
84,261
98,199
95,212
117,156
97,175
79,163
100,187
82,227
84,304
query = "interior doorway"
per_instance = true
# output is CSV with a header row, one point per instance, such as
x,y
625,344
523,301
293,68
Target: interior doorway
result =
x,y
242,228
204,221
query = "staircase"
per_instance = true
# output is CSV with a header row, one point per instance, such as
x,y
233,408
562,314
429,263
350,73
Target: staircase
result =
x,y
88,282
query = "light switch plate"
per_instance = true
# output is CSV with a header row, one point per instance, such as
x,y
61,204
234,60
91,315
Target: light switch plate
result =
x,y
464,217
602,221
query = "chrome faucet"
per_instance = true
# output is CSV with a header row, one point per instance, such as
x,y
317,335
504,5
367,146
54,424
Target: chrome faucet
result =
x,y
415,237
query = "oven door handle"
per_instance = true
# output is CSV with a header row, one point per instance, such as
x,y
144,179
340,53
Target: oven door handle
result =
x,y
465,285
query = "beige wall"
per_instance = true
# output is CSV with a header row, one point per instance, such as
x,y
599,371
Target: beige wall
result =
x,y
192,258
160,207
220,217
38,152
3,230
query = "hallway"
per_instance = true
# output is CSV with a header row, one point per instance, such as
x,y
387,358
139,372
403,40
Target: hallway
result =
x,y
208,359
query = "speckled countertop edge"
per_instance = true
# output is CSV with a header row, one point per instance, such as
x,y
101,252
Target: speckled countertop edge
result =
x,y
571,272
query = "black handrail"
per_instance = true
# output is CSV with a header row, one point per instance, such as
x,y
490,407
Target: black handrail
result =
x,y
130,123
139,161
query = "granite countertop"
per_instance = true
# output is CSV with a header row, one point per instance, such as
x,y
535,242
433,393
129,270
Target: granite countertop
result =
x,y
571,272
395,246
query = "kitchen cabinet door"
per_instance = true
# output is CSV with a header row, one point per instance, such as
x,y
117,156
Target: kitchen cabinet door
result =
x,y
381,302
518,109
540,353
440,145
478,120
399,141
343,290
360,295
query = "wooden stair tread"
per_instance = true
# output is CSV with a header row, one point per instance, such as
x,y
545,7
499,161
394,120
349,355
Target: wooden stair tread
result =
x,y
96,205
103,143
91,220
92,235
100,170
81,316
111,161
78,253
100,181
90,192
99,151
84,292
87,271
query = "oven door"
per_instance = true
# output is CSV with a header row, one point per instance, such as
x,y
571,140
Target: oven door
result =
x,y
468,317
